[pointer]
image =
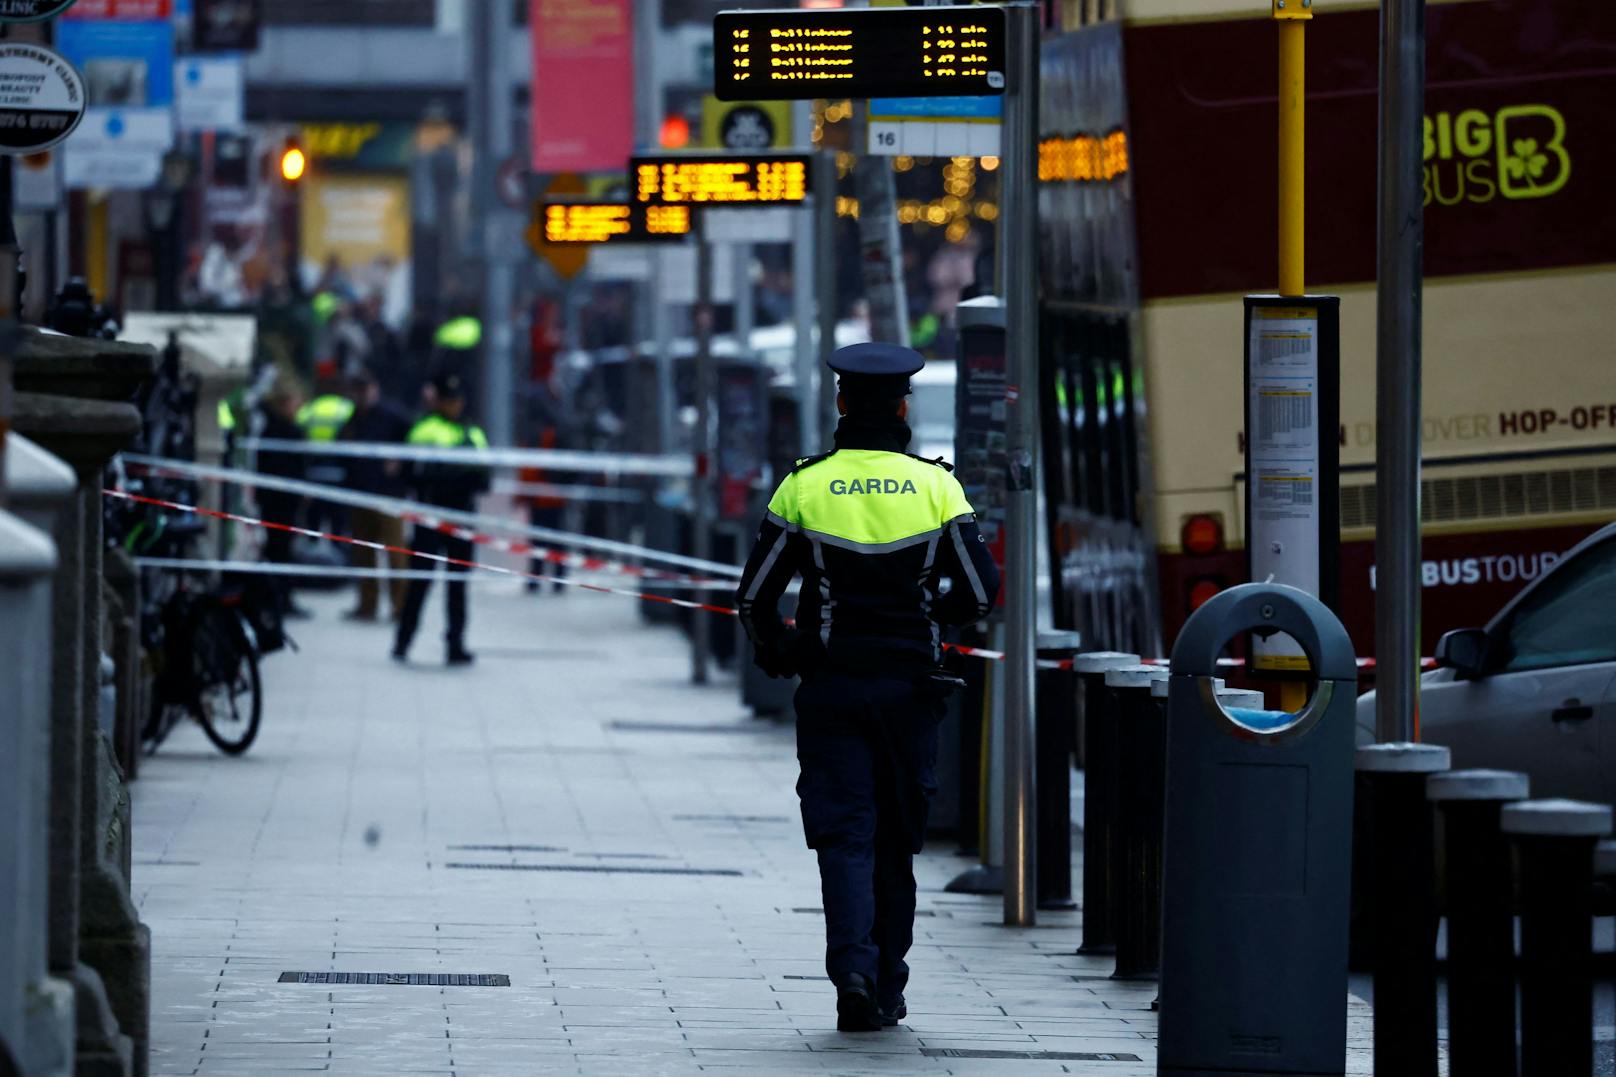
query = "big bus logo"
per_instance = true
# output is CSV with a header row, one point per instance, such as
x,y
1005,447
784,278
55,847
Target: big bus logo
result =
x,y
1517,153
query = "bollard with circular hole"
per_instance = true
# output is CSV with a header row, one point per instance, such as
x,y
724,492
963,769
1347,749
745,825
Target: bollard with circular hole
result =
x,y
1141,736
1554,842
1402,903
1481,923
1258,829
1055,736
1099,798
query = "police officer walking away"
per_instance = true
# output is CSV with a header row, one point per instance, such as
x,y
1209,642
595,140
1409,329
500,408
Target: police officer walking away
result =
x,y
451,486
874,532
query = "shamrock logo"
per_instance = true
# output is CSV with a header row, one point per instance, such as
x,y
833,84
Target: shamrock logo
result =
x,y
1525,162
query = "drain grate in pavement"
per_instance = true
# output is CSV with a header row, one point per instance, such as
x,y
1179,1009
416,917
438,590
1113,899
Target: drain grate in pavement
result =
x,y
603,869
1031,1056
794,976
507,848
409,979
624,725
732,818
918,912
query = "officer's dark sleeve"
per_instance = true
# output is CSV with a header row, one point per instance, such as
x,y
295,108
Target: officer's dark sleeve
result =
x,y
963,557
768,571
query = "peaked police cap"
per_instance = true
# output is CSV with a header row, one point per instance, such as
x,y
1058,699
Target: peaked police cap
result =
x,y
876,369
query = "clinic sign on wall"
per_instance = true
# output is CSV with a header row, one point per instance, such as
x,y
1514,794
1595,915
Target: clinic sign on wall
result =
x,y
32,10
42,98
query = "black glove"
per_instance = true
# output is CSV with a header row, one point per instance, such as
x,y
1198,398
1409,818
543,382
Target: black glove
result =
x,y
786,656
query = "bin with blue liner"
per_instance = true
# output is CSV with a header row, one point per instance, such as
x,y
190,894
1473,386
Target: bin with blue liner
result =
x,y
1258,845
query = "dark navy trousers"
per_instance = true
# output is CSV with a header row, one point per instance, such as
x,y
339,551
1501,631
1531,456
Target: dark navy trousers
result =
x,y
868,749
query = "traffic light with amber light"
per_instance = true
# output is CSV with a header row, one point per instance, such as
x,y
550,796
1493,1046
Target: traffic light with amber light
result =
x,y
294,163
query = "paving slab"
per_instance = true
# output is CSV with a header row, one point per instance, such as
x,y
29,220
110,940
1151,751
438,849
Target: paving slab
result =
x,y
575,815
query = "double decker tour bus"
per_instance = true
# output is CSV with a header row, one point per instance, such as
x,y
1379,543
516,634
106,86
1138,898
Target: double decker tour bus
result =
x,y
1158,161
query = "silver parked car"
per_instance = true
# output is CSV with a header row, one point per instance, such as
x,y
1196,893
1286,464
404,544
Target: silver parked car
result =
x,y
1535,690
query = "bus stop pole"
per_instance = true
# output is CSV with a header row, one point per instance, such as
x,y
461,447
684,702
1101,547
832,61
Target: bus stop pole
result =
x,y
701,503
1291,17
1019,240
824,188
1401,231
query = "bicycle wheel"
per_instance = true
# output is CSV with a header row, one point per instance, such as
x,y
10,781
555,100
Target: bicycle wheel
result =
x,y
228,697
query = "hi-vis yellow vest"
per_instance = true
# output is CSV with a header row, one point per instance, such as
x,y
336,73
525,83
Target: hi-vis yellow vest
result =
x,y
869,499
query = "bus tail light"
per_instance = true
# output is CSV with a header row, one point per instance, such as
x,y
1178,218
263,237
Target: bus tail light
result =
x,y
1202,533
1202,588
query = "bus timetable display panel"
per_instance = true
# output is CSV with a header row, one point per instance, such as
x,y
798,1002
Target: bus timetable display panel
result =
x,y
858,52
612,222
732,180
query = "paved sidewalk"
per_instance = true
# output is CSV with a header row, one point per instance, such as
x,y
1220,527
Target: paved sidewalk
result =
x,y
573,814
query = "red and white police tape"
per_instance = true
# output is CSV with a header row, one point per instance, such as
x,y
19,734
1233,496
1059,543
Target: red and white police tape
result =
x,y
474,527
445,521
348,540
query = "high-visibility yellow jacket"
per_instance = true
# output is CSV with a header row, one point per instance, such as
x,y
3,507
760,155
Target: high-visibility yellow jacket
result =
x,y
872,531
322,417
447,483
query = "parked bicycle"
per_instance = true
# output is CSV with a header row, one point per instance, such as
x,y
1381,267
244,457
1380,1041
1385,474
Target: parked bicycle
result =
x,y
202,642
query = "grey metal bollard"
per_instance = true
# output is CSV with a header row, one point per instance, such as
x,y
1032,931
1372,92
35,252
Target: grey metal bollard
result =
x,y
27,558
1481,924
1555,840
1259,822
39,487
1141,745
1099,798
1402,903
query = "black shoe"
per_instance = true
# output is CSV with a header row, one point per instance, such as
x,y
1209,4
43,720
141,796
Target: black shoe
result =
x,y
461,658
893,1012
856,1010
400,656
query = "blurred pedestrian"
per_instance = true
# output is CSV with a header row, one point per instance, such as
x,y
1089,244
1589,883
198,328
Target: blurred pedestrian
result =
x,y
545,509
452,486
376,420
279,410
321,419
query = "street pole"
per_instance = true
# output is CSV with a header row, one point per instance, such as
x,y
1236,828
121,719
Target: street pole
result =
x,y
805,355
880,249
824,187
803,319
648,295
8,312
1292,17
1020,243
1397,370
701,514
489,30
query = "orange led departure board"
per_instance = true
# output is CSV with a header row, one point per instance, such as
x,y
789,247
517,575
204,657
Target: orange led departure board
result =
x,y
612,222
729,180
858,52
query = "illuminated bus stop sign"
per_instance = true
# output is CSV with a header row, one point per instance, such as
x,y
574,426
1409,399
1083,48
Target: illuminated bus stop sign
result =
x,y
720,179
610,222
858,52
